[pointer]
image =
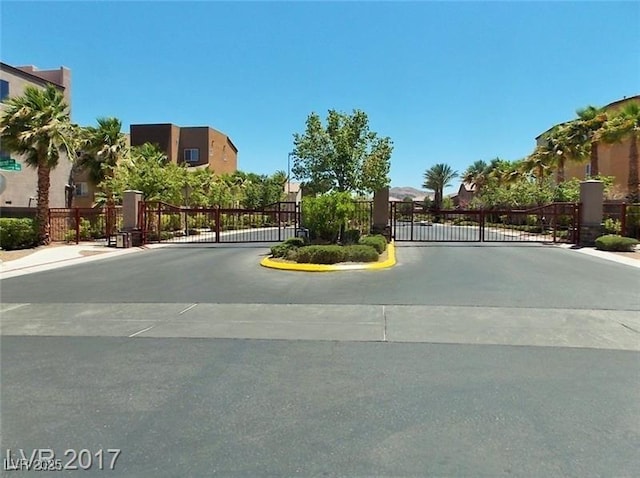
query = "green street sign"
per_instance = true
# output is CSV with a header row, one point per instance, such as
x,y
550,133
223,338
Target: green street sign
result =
x,y
8,164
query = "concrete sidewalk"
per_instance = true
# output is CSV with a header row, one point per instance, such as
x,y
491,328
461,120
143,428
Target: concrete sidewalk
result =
x,y
48,258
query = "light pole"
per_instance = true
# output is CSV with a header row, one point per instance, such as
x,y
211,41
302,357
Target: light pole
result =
x,y
289,174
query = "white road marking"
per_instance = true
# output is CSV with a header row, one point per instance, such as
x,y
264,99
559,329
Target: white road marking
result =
x,y
13,308
187,309
141,331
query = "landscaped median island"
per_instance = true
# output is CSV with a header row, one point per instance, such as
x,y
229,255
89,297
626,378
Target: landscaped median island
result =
x,y
296,254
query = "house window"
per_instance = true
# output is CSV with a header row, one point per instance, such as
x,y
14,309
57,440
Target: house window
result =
x,y
191,155
82,190
4,89
587,171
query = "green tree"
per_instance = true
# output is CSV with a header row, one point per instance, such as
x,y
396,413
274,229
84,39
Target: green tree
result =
x,y
151,173
538,164
102,148
565,143
436,179
626,125
37,125
588,127
476,174
344,156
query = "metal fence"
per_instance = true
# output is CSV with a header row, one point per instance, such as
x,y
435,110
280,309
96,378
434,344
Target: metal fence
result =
x,y
558,222
162,222
84,224
621,218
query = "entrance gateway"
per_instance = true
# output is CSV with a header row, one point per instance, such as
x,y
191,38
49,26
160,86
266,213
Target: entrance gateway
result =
x,y
556,222
407,222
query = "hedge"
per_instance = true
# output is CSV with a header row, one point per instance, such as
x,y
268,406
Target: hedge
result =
x,y
377,241
321,254
17,233
361,253
616,243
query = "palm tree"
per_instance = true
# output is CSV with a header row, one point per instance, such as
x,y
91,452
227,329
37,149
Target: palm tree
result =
x,y
437,178
38,126
538,163
626,124
503,172
565,143
476,174
103,148
589,126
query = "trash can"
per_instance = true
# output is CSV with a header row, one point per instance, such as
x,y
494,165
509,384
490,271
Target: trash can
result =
x,y
302,232
123,240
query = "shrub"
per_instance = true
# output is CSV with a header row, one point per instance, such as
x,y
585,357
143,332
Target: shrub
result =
x,y
361,253
292,254
279,250
295,241
616,243
330,254
612,226
351,236
17,233
377,241
325,215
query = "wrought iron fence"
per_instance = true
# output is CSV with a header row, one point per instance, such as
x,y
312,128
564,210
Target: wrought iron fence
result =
x,y
84,224
558,222
621,218
162,222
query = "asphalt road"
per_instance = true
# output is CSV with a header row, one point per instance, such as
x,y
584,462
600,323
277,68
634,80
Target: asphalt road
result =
x,y
189,407
474,274
463,360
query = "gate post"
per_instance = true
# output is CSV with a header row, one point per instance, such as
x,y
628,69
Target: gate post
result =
x,y
591,198
130,215
381,213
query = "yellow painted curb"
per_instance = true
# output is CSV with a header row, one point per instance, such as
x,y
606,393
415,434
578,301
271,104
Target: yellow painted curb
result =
x,y
286,266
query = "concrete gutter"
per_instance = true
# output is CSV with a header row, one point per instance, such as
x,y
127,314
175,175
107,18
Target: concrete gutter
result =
x,y
287,266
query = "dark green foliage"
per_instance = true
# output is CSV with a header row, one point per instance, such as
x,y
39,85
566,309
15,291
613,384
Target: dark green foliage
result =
x,y
17,233
616,243
378,242
351,236
279,250
295,241
330,254
361,253
283,249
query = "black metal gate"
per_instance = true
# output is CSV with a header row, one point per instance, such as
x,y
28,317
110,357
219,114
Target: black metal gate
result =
x,y
162,222
557,222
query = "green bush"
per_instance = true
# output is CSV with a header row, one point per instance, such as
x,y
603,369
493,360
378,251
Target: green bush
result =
x,y
17,233
377,241
279,250
295,241
361,253
616,243
612,226
330,254
325,215
351,236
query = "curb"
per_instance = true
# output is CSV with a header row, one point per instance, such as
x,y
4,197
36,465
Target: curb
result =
x,y
607,256
285,266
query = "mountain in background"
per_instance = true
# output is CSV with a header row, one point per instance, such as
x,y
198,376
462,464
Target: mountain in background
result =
x,y
399,193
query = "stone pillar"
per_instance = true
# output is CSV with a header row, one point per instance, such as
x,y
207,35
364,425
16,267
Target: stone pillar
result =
x,y
591,199
130,206
381,213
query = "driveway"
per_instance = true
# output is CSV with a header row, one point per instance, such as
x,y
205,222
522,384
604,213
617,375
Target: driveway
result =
x,y
475,360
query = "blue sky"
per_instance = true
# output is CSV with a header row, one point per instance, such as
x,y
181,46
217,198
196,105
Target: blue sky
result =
x,y
449,82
